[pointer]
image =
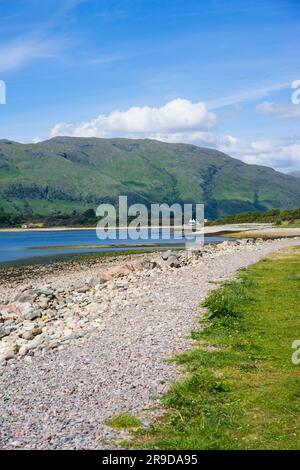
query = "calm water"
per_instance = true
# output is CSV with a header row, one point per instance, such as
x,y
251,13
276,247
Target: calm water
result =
x,y
27,247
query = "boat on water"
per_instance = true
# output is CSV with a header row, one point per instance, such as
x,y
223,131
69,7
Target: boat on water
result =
x,y
194,222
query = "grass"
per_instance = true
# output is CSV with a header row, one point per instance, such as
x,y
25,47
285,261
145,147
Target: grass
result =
x,y
265,235
82,173
293,224
124,421
241,390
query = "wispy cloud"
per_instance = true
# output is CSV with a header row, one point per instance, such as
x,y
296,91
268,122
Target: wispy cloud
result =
x,y
246,95
41,43
103,59
21,52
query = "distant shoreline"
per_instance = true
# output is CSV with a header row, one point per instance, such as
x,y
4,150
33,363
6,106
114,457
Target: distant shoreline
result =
x,y
211,230
70,229
44,229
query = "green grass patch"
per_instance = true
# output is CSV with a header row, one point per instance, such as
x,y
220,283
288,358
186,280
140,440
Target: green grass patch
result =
x,y
293,224
242,390
124,421
266,235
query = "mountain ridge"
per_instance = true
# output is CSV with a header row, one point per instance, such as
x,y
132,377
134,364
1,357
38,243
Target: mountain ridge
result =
x,y
65,174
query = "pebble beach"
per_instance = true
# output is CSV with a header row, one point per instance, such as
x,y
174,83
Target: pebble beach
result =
x,y
85,340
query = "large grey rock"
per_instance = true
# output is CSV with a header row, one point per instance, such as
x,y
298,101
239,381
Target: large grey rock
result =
x,y
25,296
43,290
33,314
173,262
148,264
168,254
4,331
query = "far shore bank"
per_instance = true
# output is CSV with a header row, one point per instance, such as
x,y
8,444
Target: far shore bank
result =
x,y
210,229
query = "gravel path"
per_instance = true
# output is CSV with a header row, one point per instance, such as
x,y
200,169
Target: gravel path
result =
x,y
61,400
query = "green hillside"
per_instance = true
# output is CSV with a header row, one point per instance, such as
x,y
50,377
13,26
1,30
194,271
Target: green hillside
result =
x,y
66,174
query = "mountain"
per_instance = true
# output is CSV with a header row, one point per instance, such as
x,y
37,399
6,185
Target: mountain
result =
x,y
68,173
295,173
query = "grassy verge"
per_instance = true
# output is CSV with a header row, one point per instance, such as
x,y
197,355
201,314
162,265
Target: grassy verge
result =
x,y
293,224
266,235
253,235
242,390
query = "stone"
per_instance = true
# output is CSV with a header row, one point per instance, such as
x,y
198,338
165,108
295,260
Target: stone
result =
x,y
173,262
83,289
14,310
43,290
24,296
197,253
34,343
23,350
28,335
92,281
105,277
93,307
49,314
119,271
7,353
33,314
135,266
28,325
20,342
70,336
168,254
4,331
148,264
37,331
43,303
53,344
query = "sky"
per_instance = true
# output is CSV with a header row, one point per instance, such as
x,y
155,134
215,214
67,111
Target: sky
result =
x,y
223,74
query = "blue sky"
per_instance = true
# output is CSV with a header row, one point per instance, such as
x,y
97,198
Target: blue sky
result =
x,y
215,73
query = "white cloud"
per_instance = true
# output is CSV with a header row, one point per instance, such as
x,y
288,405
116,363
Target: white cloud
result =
x,y
178,115
279,111
281,154
188,137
